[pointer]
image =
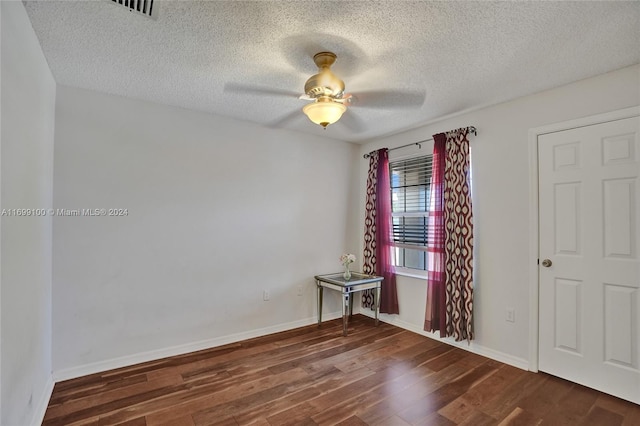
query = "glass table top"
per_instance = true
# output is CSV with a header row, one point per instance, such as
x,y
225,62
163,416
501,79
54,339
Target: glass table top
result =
x,y
356,278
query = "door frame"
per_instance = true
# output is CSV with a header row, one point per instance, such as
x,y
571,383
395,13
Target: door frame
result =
x,y
534,246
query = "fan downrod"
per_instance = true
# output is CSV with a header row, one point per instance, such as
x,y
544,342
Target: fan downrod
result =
x,y
324,59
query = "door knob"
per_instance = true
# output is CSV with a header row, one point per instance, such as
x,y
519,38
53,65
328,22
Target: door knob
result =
x,y
546,263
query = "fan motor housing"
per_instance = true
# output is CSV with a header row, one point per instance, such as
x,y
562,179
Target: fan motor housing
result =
x,y
324,83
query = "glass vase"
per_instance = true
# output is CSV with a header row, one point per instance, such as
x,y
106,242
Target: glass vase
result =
x,y
347,273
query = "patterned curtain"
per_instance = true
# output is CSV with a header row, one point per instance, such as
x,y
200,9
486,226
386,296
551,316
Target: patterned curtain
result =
x,y
457,230
369,254
377,259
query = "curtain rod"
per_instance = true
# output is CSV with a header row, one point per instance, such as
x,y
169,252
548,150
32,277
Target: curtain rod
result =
x,y
471,129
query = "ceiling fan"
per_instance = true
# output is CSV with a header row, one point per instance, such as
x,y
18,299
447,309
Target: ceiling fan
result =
x,y
328,98
326,91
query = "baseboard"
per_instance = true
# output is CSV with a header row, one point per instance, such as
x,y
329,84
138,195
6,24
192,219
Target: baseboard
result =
x,y
472,347
43,402
126,361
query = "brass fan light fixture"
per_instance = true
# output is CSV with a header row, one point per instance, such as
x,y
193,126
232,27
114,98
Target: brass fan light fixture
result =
x,y
326,91
328,101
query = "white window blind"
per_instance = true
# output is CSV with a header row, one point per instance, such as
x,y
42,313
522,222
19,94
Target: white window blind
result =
x,y
410,179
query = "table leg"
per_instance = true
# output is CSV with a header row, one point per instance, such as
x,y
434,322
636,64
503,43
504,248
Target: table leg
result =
x,y
345,317
319,295
351,305
377,305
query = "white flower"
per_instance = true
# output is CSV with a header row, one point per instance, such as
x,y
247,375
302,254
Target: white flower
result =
x,y
347,258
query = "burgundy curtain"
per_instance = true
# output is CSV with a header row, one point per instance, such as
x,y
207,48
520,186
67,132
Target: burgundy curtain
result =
x,y
450,287
435,317
377,258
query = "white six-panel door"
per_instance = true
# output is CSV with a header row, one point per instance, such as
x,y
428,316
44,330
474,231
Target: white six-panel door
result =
x,y
589,232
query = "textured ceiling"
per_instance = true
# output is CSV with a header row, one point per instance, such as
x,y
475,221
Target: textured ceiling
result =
x,y
453,56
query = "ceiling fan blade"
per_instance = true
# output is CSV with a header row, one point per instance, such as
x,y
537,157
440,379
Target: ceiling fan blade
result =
x,y
351,120
286,119
258,90
388,99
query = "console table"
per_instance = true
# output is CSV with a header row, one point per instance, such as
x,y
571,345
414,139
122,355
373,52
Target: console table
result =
x,y
356,283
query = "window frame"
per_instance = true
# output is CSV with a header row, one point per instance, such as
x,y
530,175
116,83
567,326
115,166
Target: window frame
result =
x,y
402,270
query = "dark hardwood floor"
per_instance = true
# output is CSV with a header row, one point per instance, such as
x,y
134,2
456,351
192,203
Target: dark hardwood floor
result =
x,y
308,376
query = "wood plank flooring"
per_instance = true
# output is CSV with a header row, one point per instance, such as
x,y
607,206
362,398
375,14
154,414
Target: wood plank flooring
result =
x,y
314,376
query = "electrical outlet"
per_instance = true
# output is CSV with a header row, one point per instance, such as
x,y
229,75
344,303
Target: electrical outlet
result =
x,y
300,290
511,315
265,295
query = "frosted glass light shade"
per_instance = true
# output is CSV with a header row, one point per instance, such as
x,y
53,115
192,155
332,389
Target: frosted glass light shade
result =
x,y
324,113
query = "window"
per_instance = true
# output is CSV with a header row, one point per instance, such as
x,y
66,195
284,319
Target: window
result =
x,y
410,179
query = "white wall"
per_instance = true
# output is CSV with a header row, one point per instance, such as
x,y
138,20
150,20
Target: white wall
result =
x,y
218,211
28,110
500,165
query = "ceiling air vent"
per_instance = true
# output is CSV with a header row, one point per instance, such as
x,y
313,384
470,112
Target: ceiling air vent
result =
x,y
144,7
